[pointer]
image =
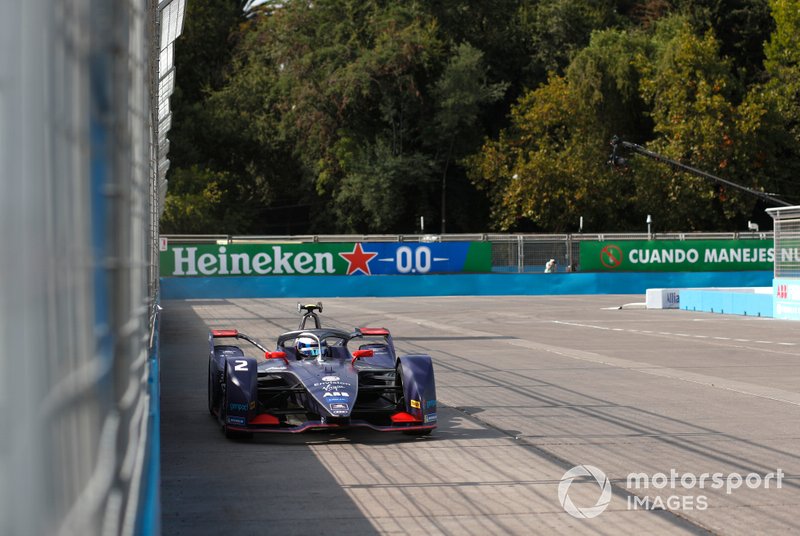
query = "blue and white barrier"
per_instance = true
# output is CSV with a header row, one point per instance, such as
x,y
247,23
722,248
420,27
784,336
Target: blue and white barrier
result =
x,y
322,286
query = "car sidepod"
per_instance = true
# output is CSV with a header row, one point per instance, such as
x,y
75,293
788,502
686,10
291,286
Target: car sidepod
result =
x,y
419,387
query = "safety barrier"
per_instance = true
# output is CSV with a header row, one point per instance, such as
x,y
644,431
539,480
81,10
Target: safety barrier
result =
x,y
83,113
510,253
448,285
743,301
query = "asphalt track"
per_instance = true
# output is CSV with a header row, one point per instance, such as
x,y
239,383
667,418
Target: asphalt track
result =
x,y
528,387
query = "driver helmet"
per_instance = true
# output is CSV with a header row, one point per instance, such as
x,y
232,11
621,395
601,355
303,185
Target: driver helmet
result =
x,y
309,347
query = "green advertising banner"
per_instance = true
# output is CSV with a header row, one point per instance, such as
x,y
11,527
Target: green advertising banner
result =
x,y
361,258
678,255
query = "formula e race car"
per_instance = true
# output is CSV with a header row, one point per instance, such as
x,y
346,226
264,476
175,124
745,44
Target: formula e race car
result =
x,y
318,378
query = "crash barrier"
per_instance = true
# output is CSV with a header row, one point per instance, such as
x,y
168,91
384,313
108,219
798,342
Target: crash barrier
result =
x,y
192,255
755,301
663,298
324,286
84,111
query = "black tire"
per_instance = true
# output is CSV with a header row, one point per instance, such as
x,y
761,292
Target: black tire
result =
x,y
210,392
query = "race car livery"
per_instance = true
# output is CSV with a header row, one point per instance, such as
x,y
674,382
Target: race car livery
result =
x,y
351,379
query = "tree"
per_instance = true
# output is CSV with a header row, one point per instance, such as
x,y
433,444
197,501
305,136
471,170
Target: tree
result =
x,y
783,64
547,170
461,93
217,182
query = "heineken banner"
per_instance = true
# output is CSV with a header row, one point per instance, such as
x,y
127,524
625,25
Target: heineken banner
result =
x,y
362,258
680,256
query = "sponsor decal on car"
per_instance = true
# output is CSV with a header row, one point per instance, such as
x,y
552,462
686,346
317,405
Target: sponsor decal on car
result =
x,y
336,393
339,386
430,417
235,406
330,378
236,420
339,408
415,404
430,404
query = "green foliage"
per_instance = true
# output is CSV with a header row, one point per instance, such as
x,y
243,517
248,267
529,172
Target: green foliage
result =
x,y
740,26
363,115
198,201
548,168
560,28
671,85
783,64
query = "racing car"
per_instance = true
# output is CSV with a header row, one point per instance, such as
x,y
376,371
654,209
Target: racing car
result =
x,y
318,378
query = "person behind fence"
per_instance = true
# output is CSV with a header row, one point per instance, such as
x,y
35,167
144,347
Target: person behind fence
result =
x,y
550,267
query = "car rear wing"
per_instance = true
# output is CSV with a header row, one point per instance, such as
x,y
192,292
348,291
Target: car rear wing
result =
x,y
234,334
372,332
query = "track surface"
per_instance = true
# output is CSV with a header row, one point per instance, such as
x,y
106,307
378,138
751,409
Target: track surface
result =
x,y
528,387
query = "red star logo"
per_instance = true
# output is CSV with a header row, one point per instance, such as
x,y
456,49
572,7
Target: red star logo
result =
x,y
358,259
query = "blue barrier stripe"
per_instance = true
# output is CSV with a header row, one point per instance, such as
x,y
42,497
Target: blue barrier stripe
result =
x,y
451,284
149,522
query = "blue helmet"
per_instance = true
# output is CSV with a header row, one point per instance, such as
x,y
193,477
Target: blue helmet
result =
x,y
309,347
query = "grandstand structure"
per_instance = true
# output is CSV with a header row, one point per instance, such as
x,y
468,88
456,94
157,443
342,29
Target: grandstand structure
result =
x,y
84,117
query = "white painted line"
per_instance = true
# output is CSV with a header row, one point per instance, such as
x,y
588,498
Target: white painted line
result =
x,y
579,325
760,391
715,382
604,328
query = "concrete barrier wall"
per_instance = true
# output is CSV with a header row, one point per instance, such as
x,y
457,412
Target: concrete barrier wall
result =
x,y
726,301
450,284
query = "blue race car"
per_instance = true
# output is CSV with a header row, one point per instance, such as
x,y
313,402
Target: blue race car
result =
x,y
318,378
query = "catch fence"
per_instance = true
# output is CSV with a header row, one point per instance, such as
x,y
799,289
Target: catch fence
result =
x,y
80,98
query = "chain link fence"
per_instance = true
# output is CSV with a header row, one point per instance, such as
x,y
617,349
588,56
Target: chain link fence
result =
x,y
787,241
79,216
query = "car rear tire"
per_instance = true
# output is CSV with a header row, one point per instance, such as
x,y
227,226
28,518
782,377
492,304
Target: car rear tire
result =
x,y
210,392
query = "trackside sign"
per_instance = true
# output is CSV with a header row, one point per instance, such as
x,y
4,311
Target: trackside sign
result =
x,y
359,258
682,256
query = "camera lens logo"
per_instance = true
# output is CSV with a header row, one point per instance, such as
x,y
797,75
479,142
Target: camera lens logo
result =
x,y
583,471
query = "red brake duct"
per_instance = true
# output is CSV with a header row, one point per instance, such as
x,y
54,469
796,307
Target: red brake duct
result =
x,y
402,416
265,418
